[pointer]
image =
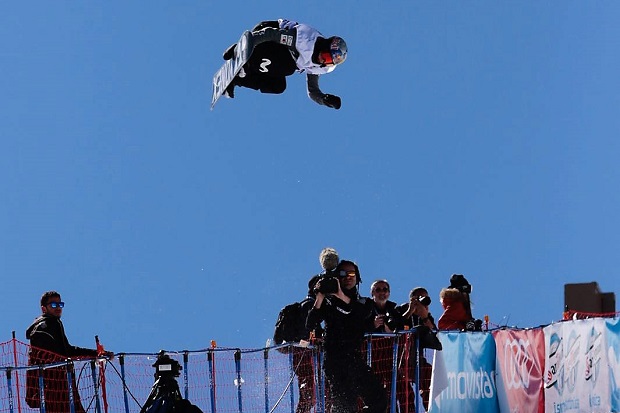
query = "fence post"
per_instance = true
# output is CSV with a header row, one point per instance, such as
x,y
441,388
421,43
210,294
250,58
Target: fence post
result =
x,y
266,368
41,390
69,367
418,380
9,388
211,362
291,364
121,361
319,391
15,364
394,373
185,374
239,382
93,373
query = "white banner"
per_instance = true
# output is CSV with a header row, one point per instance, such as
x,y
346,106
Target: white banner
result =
x,y
613,358
576,377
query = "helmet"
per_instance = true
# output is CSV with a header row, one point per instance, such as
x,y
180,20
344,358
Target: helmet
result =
x,y
337,52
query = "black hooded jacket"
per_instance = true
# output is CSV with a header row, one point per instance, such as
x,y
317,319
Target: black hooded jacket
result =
x,y
345,324
47,333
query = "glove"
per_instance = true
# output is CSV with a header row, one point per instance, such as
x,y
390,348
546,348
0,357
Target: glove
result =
x,y
332,101
230,52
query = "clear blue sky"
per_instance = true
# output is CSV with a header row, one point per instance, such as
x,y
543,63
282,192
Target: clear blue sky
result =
x,y
474,137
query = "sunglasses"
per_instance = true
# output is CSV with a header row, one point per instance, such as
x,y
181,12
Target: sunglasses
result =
x,y
382,290
347,274
55,304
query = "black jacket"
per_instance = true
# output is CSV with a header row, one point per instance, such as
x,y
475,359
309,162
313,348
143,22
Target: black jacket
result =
x,y
394,318
345,324
47,333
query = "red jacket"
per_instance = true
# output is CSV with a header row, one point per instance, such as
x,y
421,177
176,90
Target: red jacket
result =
x,y
454,316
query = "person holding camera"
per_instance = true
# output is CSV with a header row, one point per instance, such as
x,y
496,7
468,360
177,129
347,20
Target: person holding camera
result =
x,y
457,306
385,316
386,320
416,314
346,319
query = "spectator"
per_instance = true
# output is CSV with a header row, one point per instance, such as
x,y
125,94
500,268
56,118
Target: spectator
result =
x,y
416,314
383,307
457,306
49,344
385,320
346,317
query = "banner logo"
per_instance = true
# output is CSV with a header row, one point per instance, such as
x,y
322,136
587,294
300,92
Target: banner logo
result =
x,y
518,364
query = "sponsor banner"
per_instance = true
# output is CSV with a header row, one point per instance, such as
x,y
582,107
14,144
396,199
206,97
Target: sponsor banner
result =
x,y
613,357
520,358
575,377
469,360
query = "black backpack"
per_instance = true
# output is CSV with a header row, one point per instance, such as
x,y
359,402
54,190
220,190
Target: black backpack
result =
x,y
291,323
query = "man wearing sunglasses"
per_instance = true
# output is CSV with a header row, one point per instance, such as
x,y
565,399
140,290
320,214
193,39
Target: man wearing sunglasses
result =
x,y
283,47
346,317
49,344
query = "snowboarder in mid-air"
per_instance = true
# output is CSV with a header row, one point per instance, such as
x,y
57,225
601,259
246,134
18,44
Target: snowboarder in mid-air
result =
x,y
283,47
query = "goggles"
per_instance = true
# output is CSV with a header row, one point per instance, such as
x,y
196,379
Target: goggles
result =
x,y
332,57
327,58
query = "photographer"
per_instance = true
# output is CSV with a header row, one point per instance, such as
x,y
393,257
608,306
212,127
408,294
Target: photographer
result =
x,y
416,314
346,319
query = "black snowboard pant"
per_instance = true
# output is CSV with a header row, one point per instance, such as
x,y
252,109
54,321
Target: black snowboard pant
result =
x,y
350,378
267,68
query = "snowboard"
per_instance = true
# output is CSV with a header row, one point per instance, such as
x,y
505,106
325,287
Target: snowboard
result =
x,y
230,69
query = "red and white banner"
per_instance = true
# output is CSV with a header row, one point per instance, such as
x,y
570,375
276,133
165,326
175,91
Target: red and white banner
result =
x,y
520,358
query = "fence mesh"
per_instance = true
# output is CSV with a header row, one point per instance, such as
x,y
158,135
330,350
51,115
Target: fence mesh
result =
x,y
217,380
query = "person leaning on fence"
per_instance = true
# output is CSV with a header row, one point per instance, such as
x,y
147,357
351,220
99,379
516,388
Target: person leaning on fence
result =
x,y
416,314
385,320
457,306
49,344
346,318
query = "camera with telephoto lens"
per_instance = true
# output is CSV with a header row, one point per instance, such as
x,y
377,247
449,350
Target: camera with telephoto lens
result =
x,y
327,284
424,300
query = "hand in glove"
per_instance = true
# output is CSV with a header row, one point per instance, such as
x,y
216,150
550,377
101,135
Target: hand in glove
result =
x,y
332,101
230,52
